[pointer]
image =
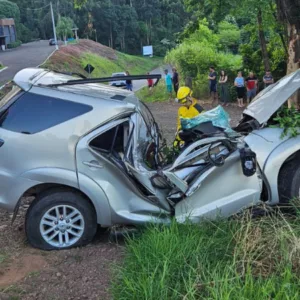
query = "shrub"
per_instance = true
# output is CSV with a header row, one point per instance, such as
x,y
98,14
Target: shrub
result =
x,y
14,44
197,53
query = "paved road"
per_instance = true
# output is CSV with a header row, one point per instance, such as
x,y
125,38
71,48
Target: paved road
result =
x,y
27,55
141,83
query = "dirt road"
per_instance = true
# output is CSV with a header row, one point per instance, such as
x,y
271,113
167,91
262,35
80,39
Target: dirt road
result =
x,y
83,273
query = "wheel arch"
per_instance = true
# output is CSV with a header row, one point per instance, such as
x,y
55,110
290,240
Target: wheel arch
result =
x,y
48,187
276,162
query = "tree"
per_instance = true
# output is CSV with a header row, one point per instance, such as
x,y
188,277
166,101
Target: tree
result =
x,y
79,3
9,10
289,14
229,35
256,11
64,27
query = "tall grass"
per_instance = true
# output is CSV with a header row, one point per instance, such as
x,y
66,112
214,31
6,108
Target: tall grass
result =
x,y
228,259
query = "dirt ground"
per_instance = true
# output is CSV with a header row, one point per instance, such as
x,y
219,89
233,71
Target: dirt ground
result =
x,y
81,273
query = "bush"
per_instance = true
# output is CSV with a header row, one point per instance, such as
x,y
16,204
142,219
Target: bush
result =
x,y
14,44
196,54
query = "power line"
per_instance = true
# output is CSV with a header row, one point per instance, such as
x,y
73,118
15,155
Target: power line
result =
x,y
40,8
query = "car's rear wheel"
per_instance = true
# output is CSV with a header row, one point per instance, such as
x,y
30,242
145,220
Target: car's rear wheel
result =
x,y
289,180
60,219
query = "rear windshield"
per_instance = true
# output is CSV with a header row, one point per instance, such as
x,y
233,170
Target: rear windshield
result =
x,y
32,113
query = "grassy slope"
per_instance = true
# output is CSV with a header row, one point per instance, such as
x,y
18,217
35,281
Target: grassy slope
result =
x,y
158,94
73,58
124,62
231,259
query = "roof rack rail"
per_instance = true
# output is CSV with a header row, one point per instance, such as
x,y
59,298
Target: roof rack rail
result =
x,y
70,73
107,79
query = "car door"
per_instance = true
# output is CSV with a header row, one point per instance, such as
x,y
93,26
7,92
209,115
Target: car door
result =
x,y
102,171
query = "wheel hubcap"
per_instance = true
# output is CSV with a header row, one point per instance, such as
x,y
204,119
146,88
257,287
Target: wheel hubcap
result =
x,y
62,226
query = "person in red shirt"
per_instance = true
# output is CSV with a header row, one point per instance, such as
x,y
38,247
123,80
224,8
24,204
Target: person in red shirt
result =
x,y
251,84
150,84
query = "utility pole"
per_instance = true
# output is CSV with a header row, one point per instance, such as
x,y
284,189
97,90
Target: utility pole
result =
x,y
96,35
53,23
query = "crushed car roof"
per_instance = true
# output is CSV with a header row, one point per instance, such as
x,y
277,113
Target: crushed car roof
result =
x,y
267,102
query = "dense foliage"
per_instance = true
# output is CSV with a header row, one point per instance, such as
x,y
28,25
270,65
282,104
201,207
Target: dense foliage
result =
x,y
244,35
204,48
247,35
125,25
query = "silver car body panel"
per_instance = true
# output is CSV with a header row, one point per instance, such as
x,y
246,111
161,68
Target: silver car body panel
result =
x,y
272,151
267,102
54,148
221,191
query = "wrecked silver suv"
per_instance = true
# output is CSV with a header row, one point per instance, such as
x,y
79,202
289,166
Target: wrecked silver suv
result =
x,y
90,155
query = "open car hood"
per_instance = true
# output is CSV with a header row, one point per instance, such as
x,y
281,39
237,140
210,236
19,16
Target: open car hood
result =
x,y
268,101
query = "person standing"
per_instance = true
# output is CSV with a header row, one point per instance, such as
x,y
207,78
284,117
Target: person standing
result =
x,y
224,88
239,82
189,109
212,84
168,80
268,79
128,82
150,84
251,83
175,80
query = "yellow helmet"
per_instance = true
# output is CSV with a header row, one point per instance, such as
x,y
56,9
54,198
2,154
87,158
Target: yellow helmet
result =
x,y
183,92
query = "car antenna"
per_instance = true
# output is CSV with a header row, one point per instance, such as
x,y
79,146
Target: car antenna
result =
x,y
106,79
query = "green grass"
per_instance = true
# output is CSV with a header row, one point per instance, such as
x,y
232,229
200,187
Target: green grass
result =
x,y
105,67
226,259
159,93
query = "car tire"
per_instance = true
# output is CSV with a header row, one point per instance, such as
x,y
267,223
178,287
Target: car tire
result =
x,y
289,180
64,214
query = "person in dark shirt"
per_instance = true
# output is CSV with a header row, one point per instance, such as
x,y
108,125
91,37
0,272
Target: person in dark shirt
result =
x,y
128,83
175,80
268,79
251,84
212,77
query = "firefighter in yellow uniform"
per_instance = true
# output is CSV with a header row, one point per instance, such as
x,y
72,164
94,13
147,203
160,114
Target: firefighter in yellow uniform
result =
x,y
190,108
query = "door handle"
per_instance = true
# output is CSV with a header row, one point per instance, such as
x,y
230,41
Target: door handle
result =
x,y
92,164
1,143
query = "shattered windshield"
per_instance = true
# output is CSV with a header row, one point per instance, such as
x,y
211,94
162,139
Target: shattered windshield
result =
x,y
147,116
